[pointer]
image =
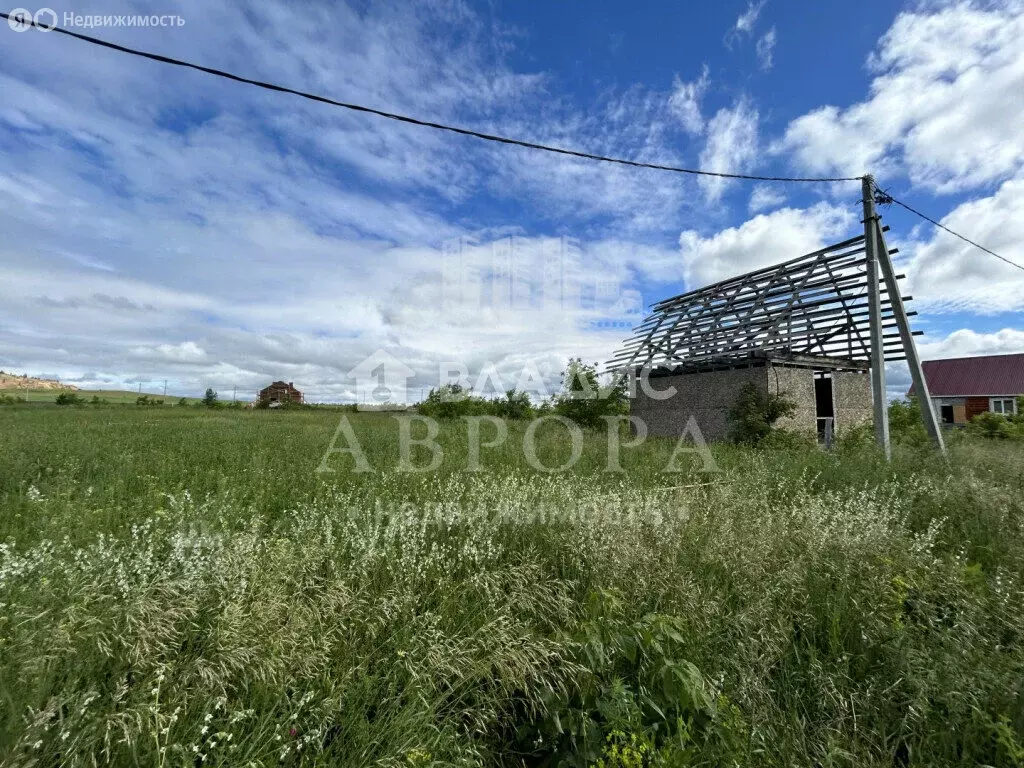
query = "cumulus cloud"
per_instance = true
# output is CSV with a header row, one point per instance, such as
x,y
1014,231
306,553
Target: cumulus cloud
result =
x,y
760,241
944,105
948,275
165,225
731,145
685,102
968,343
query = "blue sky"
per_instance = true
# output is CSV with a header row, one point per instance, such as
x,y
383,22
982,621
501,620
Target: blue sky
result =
x,y
163,224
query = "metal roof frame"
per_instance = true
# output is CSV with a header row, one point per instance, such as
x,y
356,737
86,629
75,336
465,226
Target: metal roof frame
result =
x,y
815,304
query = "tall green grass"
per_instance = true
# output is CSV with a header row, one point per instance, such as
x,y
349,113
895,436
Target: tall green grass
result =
x,y
181,587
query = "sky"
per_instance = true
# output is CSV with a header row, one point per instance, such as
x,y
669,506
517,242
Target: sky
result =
x,y
160,224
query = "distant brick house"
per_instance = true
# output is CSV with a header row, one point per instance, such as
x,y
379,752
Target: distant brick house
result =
x,y
963,387
280,392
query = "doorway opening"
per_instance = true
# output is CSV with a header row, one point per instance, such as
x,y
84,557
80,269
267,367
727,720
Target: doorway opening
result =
x,y
824,405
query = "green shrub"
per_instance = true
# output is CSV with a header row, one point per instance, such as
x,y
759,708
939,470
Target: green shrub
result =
x,y
11,399
516,405
905,423
754,414
69,398
585,401
994,426
453,401
210,398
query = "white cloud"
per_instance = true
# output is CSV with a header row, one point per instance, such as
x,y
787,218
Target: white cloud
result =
x,y
947,275
766,49
731,145
968,343
944,104
685,102
160,224
746,20
765,196
760,241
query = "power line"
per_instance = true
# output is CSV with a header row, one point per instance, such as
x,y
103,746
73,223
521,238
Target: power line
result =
x,y
492,137
887,198
427,123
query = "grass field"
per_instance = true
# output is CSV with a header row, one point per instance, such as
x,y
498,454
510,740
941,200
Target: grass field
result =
x,y
181,586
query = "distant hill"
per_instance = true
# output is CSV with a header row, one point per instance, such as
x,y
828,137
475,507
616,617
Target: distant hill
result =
x,y
13,381
105,395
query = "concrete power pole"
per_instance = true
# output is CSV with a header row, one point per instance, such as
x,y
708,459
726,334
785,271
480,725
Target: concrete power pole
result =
x,y
924,398
871,242
879,268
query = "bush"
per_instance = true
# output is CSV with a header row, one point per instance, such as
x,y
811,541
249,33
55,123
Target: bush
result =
x,y
584,401
516,405
905,422
210,398
453,401
11,399
993,426
754,414
69,398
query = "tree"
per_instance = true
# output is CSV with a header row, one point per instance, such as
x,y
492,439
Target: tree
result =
x,y
755,412
210,398
584,400
516,405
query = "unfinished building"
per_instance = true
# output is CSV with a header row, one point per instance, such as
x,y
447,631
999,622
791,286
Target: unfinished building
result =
x,y
799,328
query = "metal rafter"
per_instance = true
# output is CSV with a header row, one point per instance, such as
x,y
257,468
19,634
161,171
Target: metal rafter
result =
x,y
815,302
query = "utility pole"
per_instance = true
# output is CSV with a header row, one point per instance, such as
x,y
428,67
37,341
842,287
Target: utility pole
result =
x,y
234,389
165,387
924,398
871,243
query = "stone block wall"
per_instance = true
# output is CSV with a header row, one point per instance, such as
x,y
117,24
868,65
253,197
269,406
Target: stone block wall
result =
x,y
797,384
707,396
852,393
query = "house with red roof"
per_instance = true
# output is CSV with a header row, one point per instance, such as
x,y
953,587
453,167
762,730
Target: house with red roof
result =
x,y
963,387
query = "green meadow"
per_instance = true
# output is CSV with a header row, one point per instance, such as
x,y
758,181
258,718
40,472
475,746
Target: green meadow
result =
x,y
192,586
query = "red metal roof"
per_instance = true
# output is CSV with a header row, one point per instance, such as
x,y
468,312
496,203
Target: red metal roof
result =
x,y
966,376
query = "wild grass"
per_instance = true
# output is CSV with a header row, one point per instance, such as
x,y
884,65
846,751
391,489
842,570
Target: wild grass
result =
x,y
181,587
